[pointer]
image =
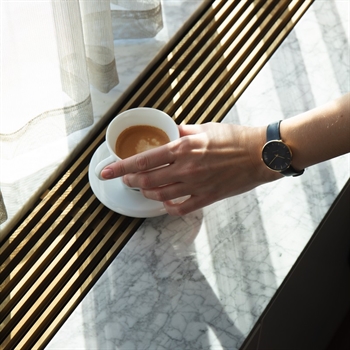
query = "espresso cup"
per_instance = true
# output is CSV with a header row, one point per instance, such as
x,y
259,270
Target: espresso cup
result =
x,y
142,117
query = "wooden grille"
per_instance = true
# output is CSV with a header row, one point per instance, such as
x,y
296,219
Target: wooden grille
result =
x,y
58,251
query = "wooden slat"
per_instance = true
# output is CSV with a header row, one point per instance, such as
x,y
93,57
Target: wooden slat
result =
x,y
59,250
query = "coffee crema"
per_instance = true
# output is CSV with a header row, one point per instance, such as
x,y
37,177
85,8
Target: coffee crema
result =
x,y
139,138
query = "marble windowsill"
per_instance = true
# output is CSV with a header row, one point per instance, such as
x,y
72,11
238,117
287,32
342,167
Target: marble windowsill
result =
x,y
202,281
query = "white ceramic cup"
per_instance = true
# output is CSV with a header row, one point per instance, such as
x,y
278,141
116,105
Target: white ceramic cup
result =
x,y
132,117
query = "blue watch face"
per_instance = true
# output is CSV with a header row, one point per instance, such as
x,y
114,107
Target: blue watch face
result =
x,y
277,155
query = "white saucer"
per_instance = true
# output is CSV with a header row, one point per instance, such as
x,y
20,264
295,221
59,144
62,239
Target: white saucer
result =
x,y
116,197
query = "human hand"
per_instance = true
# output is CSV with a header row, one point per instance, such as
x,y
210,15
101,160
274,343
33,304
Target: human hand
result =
x,y
208,163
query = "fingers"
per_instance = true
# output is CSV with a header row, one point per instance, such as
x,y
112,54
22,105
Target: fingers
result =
x,y
153,158
151,179
177,199
140,162
166,193
186,130
185,207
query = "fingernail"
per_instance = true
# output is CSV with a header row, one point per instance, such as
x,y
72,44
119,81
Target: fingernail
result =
x,y
107,173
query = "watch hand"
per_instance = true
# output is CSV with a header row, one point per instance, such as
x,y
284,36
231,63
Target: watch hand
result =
x,y
273,159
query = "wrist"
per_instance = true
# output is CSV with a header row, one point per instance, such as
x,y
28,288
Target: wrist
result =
x,y
256,140
277,155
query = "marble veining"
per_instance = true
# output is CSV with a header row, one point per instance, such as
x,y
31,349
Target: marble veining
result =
x,y
201,281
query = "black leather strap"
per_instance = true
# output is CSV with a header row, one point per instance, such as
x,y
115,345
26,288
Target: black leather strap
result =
x,y
273,133
292,172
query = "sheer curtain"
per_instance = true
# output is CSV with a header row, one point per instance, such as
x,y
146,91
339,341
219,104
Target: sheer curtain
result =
x,y
53,53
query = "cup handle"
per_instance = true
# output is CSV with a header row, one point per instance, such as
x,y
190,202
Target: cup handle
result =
x,y
103,163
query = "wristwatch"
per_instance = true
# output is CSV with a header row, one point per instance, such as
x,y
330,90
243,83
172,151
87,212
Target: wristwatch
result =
x,y
276,155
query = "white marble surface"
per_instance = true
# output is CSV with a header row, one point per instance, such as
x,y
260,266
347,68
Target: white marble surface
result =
x,y
201,281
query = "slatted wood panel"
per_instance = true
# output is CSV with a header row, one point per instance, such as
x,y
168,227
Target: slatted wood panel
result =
x,y
59,250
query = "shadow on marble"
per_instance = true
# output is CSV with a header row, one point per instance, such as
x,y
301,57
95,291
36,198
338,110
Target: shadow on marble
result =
x,y
156,296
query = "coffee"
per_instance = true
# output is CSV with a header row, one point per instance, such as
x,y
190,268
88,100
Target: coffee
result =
x,y
139,138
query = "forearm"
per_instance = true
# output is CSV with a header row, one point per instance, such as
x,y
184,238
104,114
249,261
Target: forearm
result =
x,y
319,134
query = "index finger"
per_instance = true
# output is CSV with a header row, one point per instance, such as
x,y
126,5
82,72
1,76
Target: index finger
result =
x,y
144,161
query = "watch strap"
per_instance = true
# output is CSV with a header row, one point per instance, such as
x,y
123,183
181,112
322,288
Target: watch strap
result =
x,y
273,133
